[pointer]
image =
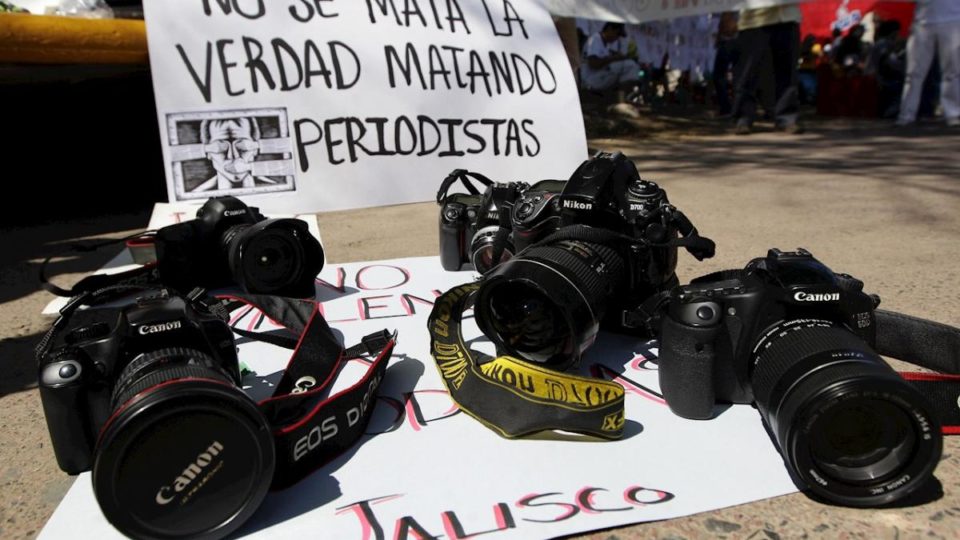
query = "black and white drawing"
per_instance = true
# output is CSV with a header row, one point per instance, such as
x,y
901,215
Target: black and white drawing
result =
x,y
231,152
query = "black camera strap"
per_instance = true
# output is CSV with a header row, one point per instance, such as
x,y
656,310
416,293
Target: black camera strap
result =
x,y
511,396
464,177
311,427
931,345
144,275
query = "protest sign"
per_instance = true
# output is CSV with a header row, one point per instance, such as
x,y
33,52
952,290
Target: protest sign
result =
x,y
309,105
427,470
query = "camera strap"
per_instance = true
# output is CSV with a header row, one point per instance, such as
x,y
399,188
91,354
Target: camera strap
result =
x,y
511,396
311,427
464,177
931,345
145,275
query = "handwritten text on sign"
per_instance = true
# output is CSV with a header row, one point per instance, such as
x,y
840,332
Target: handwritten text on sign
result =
x,y
321,104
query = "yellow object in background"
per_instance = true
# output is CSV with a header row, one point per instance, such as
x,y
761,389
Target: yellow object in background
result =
x,y
41,39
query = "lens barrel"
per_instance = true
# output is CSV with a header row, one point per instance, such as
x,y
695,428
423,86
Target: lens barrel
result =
x,y
546,303
847,425
273,256
186,454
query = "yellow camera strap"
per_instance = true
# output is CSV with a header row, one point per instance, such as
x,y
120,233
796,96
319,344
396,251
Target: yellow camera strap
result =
x,y
511,396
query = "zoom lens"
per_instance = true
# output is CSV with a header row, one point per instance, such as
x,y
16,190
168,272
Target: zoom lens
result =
x,y
546,303
274,256
848,426
185,454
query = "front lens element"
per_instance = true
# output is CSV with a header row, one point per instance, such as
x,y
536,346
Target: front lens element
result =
x,y
546,303
528,322
865,440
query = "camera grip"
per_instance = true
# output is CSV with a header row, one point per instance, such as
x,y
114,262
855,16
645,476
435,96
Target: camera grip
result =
x,y
451,250
63,407
686,368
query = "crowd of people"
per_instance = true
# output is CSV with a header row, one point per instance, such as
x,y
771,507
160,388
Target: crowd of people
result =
x,y
761,63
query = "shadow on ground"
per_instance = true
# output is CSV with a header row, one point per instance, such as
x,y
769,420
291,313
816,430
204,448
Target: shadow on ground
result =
x,y
24,250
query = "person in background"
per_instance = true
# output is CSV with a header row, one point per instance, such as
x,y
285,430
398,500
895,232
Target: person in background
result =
x,y
724,60
887,62
773,31
936,28
850,55
607,63
810,53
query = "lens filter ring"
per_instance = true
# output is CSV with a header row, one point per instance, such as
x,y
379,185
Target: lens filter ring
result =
x,y
188,457
481,249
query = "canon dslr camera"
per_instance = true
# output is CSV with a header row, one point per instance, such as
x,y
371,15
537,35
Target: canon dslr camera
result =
x,y
565,256
798,340
148,396
230,243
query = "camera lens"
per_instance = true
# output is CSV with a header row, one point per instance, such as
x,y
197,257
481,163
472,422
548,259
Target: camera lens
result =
x,y
185,452
274,256
862,440
847,425
482,248
546,303
529,322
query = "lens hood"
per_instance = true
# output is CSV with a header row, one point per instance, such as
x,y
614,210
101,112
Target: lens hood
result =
x,y
275,256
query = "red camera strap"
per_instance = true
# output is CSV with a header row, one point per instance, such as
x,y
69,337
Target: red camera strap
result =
x,y
931,345
310,426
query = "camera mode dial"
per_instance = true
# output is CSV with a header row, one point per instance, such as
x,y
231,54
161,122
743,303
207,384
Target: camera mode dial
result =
x,y
643,189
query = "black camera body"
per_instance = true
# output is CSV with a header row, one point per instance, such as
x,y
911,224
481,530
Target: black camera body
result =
x,y
147,397
99,356
604,192
730,314
607,193
562,258
469,223
230,243
798,340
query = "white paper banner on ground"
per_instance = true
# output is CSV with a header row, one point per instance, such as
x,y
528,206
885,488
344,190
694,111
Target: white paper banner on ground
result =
x,y
310,105
427,470
638,11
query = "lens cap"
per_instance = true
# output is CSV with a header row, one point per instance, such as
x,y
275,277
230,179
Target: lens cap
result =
x,y
189,458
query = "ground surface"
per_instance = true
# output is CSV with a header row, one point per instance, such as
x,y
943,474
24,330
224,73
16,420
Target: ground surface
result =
x,y
880,204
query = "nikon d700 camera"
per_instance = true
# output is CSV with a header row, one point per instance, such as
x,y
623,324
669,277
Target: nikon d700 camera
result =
x,y
563,257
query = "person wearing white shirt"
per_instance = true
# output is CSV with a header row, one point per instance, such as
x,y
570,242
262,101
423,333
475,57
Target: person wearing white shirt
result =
x,y
608,63
936,28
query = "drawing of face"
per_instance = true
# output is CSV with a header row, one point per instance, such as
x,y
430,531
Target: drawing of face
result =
x,y
232,147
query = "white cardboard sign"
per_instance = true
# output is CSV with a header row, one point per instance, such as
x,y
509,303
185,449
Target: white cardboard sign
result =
x,y
426,470
308,105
